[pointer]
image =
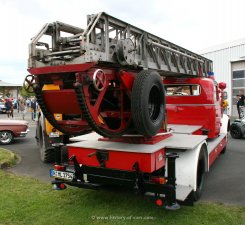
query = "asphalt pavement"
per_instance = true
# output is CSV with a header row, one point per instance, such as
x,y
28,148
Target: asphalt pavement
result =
x,y
30,164
225,182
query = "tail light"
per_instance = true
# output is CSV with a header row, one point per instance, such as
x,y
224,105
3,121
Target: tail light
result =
x,y
158,180
59,186
159,202
59,167
62,186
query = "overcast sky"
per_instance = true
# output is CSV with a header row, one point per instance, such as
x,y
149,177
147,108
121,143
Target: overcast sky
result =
x,y
192,24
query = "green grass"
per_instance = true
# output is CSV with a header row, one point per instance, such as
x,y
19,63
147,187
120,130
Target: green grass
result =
x,y
7,158
24,200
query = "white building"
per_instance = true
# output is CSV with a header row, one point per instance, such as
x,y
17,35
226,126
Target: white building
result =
x,y
9,90
229,66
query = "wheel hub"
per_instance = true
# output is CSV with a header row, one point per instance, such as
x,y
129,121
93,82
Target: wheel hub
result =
x,y
5,137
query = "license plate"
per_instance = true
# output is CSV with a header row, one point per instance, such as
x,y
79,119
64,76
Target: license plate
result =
x,y
61,175
54,134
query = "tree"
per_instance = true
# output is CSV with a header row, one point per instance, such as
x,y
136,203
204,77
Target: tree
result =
x,y
25,94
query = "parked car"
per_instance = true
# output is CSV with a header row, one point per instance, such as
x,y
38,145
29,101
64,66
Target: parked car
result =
x,y
2,107
9,129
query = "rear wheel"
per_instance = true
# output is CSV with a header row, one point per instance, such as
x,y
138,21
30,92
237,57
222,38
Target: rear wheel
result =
x,y
6,137
148,103
236,130
223,151
46,153
200,178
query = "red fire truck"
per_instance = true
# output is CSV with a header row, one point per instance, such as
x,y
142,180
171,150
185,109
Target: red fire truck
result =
x,y
153,106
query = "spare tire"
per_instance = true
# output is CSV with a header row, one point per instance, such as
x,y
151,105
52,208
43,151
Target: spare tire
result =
x,y
148,103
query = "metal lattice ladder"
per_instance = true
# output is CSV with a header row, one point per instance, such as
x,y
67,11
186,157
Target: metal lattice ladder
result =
x,y
110,40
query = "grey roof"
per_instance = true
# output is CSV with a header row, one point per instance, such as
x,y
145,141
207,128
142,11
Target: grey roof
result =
x,y
222,46
6,84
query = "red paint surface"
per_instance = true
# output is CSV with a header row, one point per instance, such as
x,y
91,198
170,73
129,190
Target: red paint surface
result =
x,y
139,140
216,151
61,68
148,162
62,101
204,109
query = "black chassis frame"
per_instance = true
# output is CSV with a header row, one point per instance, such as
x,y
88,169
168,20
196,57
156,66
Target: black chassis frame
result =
x,y
99,177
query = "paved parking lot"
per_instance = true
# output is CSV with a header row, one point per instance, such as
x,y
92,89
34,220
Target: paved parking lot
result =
x,y
224,183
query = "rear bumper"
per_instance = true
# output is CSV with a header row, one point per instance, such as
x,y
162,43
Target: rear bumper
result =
x,y
24,133
2,110
90,177
101,178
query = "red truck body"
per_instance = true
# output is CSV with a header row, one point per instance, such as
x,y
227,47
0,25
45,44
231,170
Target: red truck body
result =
x,y
203,109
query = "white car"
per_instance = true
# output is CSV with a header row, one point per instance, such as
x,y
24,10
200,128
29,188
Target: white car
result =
x,y
2,107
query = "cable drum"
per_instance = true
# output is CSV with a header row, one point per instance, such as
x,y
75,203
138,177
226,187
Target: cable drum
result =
x,y
125,51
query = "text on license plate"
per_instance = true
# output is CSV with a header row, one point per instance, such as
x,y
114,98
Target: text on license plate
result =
x,y
61,175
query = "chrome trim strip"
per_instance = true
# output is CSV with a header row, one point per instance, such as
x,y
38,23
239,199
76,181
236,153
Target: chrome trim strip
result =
x,y
192,104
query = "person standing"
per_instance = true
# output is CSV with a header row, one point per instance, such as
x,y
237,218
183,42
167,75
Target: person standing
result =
x,y
33,108
225,106
22,108
18,104
237,105
9,108
240,103
28,104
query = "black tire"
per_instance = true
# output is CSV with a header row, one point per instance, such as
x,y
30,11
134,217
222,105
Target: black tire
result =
x,y
236,130
46,153
6,137
229,126
223,150
148,103
201,172
228,130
